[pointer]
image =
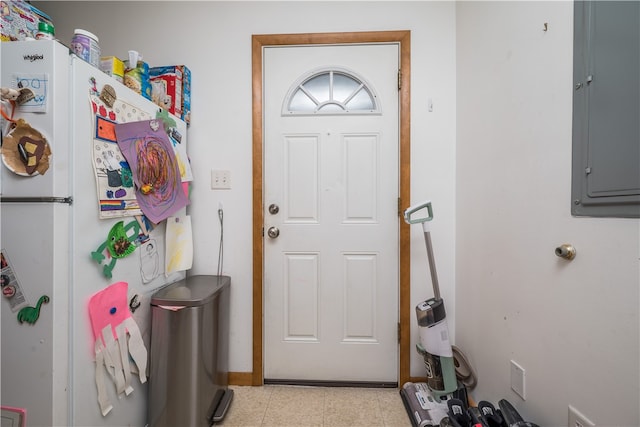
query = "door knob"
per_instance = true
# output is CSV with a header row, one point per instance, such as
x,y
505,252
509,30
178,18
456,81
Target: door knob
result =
x,y
274,209
273,232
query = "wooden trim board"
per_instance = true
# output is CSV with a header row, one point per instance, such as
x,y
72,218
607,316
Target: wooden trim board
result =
x,y
259,42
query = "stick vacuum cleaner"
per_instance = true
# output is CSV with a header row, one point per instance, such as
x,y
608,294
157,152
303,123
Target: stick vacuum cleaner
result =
x,y
434,333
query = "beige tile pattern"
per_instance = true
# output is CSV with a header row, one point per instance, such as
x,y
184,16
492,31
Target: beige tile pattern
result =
x,y
297,406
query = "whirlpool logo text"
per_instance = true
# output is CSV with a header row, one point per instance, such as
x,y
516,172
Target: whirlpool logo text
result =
x,y
33,57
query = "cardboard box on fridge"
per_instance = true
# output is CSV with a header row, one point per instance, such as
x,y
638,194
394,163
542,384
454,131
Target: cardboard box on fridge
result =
x,y
137,79
171,89
166,88
186,95
19,20
113,67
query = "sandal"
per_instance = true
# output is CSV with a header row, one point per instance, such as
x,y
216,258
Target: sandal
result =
x,y
477,420
490,414
458,413
511,415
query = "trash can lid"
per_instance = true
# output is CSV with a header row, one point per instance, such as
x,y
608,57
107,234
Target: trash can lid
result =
x,y
190,292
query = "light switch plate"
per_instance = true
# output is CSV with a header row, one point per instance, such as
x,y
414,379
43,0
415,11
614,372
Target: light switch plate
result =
x,y
220,179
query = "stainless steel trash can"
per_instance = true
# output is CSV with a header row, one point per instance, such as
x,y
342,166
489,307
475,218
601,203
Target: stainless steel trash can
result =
x,y
188,384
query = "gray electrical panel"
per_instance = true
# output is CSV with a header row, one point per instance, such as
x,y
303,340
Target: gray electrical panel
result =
x,y
606,109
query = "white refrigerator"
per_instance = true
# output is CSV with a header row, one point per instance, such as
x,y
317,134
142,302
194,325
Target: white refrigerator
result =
x,y
51,224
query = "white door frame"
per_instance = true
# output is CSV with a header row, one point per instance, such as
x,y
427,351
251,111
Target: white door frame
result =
x,y
259,42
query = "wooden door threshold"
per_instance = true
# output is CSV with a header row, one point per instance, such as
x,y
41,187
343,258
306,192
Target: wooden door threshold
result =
x,y
322,383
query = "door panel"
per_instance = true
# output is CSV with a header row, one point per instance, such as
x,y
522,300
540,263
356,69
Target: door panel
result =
x,y
301,297
331,275
301,157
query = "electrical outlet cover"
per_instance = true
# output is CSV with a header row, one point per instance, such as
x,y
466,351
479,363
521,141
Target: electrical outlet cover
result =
x,y
576,419
517,379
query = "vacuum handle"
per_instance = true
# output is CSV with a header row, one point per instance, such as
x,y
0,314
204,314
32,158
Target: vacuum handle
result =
x,y
424,220
417,208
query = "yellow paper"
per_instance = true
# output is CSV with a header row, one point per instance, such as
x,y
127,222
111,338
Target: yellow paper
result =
x,y
179,244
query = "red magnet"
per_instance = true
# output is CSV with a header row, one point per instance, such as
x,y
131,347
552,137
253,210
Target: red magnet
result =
x,y
9,291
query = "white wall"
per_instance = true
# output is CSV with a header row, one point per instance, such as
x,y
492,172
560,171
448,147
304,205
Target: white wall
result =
x,y
499,180
214,40
572,325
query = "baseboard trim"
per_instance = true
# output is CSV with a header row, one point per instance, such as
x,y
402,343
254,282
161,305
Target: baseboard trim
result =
x,y
240,378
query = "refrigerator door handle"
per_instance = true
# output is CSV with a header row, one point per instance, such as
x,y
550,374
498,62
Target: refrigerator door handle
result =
x,y
68,200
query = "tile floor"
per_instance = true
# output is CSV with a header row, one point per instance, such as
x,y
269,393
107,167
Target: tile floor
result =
x,y
300,406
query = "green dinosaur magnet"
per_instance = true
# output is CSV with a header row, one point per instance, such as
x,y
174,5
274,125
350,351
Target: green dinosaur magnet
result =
x,y
31,314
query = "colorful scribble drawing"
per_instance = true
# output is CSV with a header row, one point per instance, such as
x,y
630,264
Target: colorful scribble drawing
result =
x,y
179,148
156,174
38,84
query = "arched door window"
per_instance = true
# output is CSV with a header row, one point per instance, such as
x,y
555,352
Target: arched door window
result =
x,y
331,91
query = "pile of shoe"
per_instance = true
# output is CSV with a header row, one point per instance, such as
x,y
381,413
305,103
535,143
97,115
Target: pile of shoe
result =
x,y
484,415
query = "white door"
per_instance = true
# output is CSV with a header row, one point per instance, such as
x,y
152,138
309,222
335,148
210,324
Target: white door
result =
x,y
331,186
